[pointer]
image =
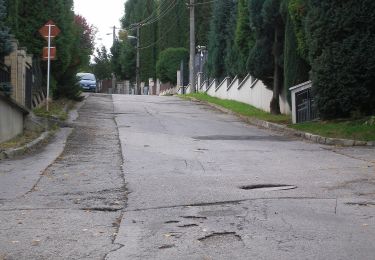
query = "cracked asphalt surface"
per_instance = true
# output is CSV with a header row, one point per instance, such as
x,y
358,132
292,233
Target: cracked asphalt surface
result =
x,y
73,208
184,165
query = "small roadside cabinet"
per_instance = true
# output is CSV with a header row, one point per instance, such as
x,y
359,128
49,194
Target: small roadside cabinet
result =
x,y
303,108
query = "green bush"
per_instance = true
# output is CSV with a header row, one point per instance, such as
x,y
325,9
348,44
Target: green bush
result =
x,y
341,39
6,88
169,62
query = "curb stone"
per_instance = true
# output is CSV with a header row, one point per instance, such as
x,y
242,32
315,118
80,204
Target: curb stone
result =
x,y
13,152
288,131
44,137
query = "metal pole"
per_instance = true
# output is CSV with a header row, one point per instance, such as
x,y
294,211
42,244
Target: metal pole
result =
x,y
48,62
182,76
192,47
137,64
114,34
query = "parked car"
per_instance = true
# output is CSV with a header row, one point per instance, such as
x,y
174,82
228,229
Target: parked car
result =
x,y
87,81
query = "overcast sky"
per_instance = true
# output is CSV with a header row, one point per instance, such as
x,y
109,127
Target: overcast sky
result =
x,y
103,15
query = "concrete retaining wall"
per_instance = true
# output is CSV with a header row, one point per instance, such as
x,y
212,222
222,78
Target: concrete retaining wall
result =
x,y
249,90
11,119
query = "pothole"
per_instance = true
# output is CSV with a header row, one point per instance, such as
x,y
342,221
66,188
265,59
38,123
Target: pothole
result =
x,y
268,187
171,221
194,217
104,209
360,203
222,240
188,225
166,246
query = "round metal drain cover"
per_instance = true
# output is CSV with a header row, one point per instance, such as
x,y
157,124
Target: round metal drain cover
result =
x,y
268,187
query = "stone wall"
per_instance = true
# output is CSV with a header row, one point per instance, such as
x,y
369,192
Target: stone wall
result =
x,y
18,61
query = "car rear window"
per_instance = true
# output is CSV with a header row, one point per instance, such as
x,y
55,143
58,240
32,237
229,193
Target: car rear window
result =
x,y
86,76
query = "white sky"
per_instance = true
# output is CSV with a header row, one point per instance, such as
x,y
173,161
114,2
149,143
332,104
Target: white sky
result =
x,y
103,14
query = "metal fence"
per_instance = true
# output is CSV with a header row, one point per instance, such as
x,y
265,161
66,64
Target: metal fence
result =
x,y
29,88
4,73
305,106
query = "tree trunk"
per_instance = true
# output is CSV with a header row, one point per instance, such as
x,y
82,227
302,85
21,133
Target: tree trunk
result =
x,y
277,73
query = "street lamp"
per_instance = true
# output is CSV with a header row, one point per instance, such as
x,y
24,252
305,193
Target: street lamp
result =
x,y
202,50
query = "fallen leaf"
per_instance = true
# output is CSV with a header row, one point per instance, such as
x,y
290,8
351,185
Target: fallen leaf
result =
x,y
35,242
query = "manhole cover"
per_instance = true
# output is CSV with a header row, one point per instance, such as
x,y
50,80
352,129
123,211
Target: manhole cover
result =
x,y
268,187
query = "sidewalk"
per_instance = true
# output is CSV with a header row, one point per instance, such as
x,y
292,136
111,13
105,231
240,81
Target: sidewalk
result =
x,y
18,176
21,171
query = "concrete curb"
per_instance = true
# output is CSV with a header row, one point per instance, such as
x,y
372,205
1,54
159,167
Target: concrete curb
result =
x,y
14,152
44,137
288,131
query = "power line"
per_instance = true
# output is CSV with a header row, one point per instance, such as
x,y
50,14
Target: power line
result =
x,y
159,7
157,18
163,36
204,3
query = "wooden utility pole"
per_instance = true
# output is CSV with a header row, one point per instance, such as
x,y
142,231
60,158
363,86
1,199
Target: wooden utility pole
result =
x,y
137,79
192,47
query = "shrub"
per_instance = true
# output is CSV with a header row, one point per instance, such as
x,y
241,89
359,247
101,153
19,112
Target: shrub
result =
x,y
169,62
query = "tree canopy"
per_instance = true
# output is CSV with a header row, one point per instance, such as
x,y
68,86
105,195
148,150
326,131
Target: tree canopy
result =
x,y
74,44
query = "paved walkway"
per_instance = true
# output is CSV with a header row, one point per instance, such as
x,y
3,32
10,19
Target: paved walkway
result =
x,y
71,209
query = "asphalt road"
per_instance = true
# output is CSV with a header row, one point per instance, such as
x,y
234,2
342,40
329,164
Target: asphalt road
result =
x,y
186,166
144,177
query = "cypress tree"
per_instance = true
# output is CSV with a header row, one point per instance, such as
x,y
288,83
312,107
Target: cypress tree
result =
x,y
12,15
217,38
231,58
296,69
173,27
244,37
5,44
135,12
202,22
265,60
341,41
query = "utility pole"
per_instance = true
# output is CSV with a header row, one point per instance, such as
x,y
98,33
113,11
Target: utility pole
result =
x,y
114,34
138,91
192,47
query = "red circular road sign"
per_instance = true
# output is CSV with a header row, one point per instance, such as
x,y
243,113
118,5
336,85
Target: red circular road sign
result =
x,y
45,30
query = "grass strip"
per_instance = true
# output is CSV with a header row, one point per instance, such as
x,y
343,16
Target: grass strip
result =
x,y
241,108
58,109
360,129
20,140
353,130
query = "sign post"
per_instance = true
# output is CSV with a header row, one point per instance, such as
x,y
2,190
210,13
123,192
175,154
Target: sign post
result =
x,y
48,31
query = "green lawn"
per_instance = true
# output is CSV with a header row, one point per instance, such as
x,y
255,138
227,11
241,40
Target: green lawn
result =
x,y
56,109
349,129
241,108
354,130
20,140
